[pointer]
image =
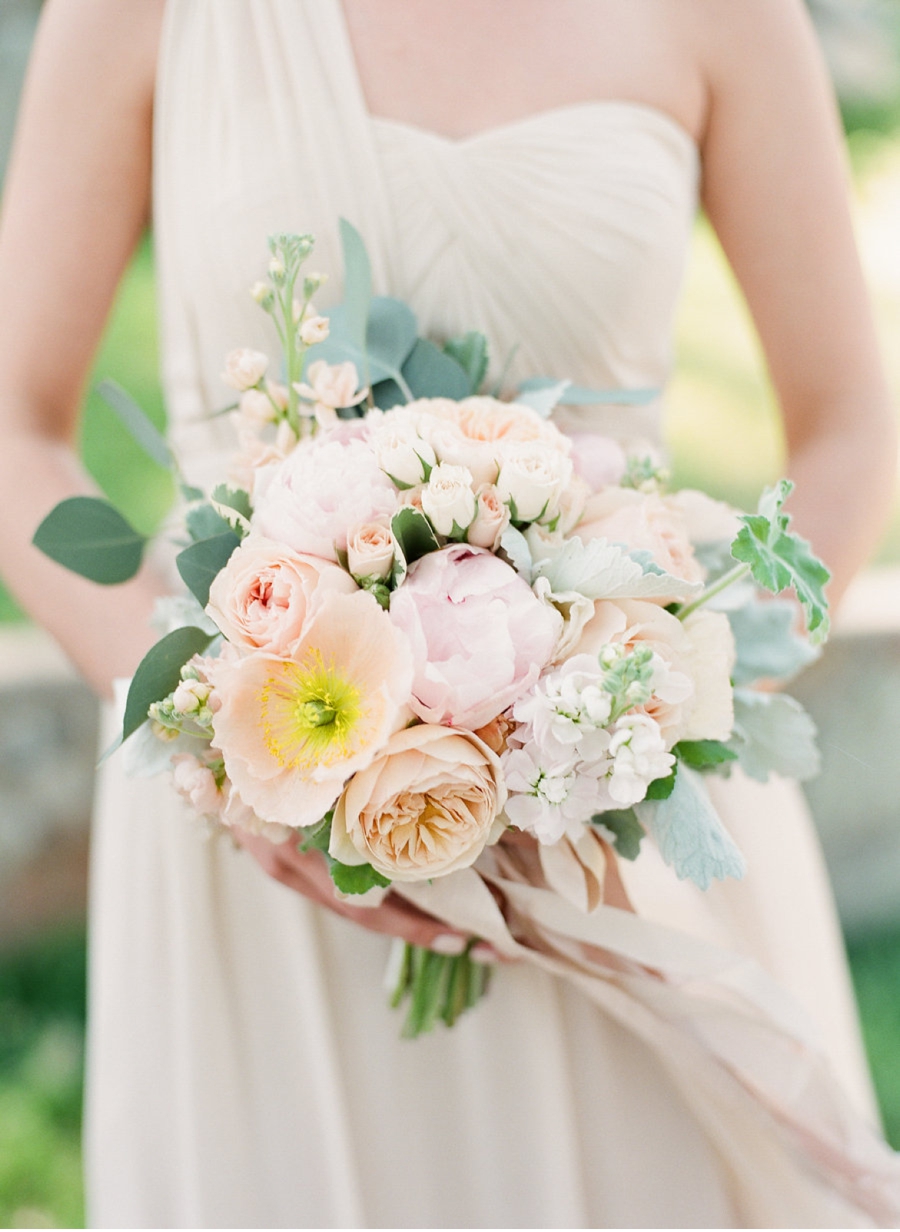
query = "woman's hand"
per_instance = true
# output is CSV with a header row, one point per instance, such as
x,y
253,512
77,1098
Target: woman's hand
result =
x,y
307,874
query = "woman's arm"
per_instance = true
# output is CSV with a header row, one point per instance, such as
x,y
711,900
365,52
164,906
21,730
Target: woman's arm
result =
x,y
775,187
76,200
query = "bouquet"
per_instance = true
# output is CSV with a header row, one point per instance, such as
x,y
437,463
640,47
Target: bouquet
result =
x,y
421,622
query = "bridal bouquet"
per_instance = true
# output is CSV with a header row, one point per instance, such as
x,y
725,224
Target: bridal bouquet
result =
x,y
421,620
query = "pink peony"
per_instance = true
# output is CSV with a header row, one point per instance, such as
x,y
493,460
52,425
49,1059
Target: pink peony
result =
x,y
313,499
479,635
264,596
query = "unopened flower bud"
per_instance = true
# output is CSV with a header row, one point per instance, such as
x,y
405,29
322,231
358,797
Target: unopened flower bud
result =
x,y
313,330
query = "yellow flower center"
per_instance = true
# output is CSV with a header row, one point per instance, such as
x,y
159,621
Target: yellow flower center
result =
x,y
310,714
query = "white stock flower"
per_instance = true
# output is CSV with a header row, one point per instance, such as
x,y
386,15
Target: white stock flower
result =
x,y
548,799
313,329
333,386
531,481
568,711
639,756
448,499
256,408
244,368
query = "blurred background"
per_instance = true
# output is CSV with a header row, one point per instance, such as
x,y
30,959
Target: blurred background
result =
x,y
724,436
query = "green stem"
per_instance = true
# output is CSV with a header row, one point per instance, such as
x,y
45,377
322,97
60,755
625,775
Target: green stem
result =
x,y
737,574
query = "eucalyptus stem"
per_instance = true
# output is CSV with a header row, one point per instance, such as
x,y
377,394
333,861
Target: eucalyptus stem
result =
x,y
737,574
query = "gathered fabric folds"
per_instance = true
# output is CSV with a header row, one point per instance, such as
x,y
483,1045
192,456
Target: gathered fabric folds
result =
x,y
695,1063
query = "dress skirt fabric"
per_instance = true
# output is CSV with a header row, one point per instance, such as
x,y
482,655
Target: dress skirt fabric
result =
x,y
244,1068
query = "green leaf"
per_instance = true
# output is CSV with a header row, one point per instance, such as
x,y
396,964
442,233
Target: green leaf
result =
x,y
627,830
390,336
348,878
91,538
357,283
661,789
136,421
159,672
413,533
542,393
204,523
689,834
355,878
767,646
235,498
779,559
430,373
703,754
201,563
773,734
471,353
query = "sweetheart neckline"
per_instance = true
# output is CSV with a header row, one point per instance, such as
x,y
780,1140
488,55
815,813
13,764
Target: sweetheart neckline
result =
x,y
535,119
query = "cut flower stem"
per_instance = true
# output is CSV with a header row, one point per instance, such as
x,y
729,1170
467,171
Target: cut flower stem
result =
x,y
439,987
737,574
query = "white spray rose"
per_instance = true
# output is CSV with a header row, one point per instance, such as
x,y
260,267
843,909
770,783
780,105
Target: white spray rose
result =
x,y
491,519
448,499
531,481
370,551
402,453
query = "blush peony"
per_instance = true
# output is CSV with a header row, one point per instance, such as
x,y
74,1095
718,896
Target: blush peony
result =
x,y
313,499
479,635
426,806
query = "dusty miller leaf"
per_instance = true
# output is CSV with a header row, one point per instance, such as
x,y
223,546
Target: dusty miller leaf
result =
x,y
689,833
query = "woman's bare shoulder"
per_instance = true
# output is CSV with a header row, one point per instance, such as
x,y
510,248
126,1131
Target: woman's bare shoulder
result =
x,y
105,45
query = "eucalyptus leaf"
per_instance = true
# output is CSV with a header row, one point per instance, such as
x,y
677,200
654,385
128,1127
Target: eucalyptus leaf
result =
x,y
773,734
689,834
471,353
780,559
90,537
137,423
159,672
201,563
390,337
429,373
767,646
357,283
413,533
582,395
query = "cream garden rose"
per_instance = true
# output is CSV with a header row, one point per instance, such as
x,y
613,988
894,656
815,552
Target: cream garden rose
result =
x,y
532,480
426,806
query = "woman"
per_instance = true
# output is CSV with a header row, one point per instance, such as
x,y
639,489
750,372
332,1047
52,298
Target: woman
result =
x,y
530,170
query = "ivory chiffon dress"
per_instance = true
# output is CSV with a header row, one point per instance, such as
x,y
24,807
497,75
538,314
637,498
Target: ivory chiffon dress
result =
x,y
244,1068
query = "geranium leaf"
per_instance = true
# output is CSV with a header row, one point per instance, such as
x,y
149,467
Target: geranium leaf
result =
x,y
203,522
159,672
704,754
235,498
627,831
779,559
689,833
90,537
412,531
201,563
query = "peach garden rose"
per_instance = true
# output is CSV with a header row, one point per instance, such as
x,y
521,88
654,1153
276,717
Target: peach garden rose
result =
x,y
426,806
